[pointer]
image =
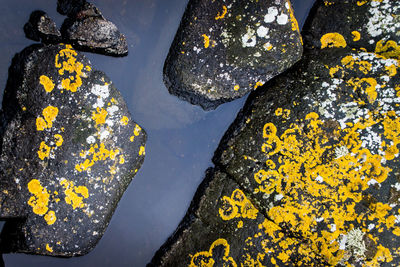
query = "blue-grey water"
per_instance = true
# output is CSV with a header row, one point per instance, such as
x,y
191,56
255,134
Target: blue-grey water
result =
x,y
181,138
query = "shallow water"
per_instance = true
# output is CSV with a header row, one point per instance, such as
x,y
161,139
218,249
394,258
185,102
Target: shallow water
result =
x,y
181,138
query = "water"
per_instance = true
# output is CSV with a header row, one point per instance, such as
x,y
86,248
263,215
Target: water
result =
x,y
181,138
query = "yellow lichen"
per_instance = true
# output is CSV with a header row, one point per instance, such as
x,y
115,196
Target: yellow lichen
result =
x,y
44,151
222,15
390,49
219,248
50,217
58,139
47,83
237,206
96,153
356,36
74,195
49,113
142,151
124,120
206,41
48,248
99,116
40,199
333,39
67,64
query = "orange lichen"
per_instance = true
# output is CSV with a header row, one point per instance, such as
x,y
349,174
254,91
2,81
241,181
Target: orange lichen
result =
x,y
206,41
333,39
74,195
356,36
99,116
50,217
44,151
222,15
209,258
96,153
47,83
390,49
124,120
68,65
49,113
58,139
48,248
40,199
237,206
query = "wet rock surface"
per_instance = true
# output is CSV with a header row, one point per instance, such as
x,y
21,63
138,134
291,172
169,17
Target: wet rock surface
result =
x,y
223,228
41,27
224,50
88,30
69,150
316,153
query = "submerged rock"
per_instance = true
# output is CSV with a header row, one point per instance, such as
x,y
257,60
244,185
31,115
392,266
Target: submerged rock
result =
x,y
223,228
87,29
41,27
372,25
222,51
69,149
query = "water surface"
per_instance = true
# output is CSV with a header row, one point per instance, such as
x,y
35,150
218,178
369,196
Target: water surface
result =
x,y
181,138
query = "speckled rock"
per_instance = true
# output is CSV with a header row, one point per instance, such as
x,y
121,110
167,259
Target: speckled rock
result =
x,y
225,49
373,25
88,30
41,27
223,228
318,150
69,149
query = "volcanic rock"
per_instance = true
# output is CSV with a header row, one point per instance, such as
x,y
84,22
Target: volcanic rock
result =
x,y
222,51
41,27
69,149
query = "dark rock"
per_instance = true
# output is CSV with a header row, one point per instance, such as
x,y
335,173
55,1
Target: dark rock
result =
x,y
41,27
370,25
88,30
224,228
222,52
69,150
318,150
70,7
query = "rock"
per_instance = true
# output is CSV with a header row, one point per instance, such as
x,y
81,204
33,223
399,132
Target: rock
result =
x,y
369,25
222,227
88,30
41,27
70,7
222,51
69,149
318,151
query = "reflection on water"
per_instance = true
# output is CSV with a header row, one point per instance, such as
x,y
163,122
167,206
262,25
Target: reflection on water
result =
x,y
182,137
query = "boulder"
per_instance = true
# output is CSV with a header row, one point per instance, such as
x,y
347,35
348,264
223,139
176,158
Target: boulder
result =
x,y
369,25
69,149
41,27
318,151
223,51
223,228
88,30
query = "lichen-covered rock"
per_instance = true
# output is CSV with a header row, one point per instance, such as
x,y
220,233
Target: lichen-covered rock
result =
x,y
41,27
223,228
88,30
69,149
318,152
372,25
225,49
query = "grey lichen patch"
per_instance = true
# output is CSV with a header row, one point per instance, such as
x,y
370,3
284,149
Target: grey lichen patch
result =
x,y
223,50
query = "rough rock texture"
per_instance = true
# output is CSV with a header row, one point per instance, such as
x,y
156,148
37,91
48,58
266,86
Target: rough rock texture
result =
x,y
222,227
88,30
373,25
225,49
316,152
41,27
69,149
